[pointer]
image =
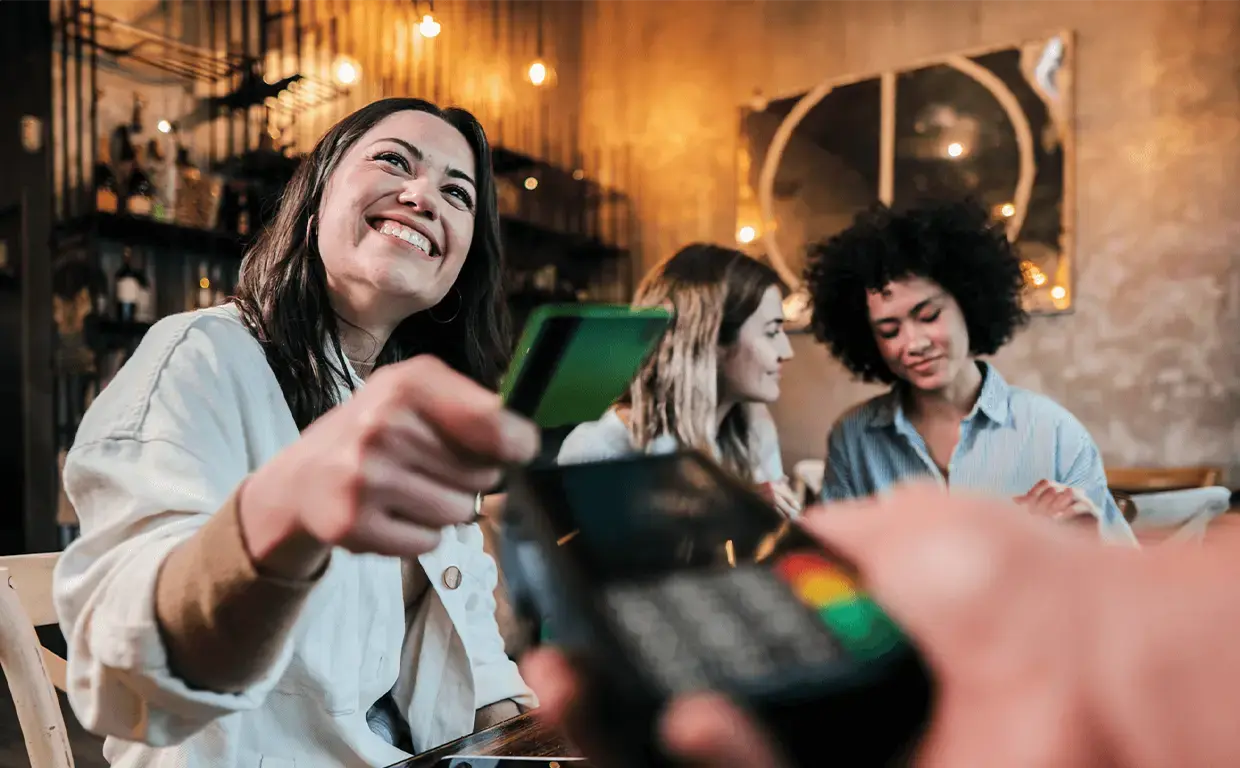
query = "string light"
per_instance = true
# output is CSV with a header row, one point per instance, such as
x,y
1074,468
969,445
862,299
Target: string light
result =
x,y
163,126
746,234
955,149
1058,292
531,183
1008,210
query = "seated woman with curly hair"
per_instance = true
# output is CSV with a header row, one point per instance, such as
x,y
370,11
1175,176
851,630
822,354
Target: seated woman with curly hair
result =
x,y
913,299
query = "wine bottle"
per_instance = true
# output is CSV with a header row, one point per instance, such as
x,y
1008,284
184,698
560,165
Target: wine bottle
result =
x,y
107,186
130,280
157,172
135,119
141,191
122,150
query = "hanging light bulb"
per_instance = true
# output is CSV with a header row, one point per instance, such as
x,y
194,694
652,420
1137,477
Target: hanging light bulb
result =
x,y
346,70
538,73
429,27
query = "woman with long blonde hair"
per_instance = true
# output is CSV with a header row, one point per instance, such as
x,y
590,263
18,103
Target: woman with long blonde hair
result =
x,y
708,382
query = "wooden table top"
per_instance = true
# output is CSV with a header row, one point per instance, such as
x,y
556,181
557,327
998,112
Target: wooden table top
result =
x,y
522,736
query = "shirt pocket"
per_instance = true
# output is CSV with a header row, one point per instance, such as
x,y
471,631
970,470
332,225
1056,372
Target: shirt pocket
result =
x,y
327,648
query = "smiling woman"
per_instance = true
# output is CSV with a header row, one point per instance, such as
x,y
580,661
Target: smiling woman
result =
x,y
708,383
370,247
277,542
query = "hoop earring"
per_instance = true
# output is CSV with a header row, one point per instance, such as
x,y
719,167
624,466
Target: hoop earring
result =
x,y
459,302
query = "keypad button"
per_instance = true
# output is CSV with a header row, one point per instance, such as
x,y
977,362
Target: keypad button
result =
x,y
656,641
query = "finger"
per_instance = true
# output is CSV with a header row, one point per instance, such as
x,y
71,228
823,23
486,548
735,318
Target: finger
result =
x,y
1078,511
787,493
1062,501
463,413
418,498
417,446
382,534
707,729
1043,492
1039,486
548,673
789,508
561,701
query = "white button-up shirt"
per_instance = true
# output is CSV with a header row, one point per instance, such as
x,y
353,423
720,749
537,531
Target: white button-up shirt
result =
x,y
194,410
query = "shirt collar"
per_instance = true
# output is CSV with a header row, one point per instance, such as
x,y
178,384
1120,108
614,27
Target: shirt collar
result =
x,y
992,401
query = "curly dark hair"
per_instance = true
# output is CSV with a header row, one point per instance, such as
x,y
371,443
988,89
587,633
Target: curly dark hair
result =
x,y
954,244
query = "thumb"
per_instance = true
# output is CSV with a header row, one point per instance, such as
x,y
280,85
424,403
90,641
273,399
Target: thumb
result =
x,y
708,730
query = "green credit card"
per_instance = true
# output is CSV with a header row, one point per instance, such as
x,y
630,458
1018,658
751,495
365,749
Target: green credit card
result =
x,y
574,360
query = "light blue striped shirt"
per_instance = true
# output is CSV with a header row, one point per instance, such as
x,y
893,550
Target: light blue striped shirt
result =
x,y
1009,441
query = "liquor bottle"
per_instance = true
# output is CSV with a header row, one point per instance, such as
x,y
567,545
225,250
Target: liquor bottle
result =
x,y
107,186
130,281
142,194
122,151
243,214
157,172
135,119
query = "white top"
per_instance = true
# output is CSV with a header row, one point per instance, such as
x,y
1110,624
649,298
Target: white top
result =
x,y
609,438
193,411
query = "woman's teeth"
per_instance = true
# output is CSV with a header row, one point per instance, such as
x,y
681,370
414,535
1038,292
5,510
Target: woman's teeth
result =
x,y
408,234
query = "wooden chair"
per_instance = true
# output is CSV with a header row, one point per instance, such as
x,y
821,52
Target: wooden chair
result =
x,y
33,672
1135,480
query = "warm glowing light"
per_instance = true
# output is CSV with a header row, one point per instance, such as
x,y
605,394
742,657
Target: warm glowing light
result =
x,y
1008,210
163,126
746,234
578,175
1058,292
538,73
1033,273
531,182
204,282
346,70
429,27
955,149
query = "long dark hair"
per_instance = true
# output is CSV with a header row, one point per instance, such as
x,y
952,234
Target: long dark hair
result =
x,y
714,291
282,293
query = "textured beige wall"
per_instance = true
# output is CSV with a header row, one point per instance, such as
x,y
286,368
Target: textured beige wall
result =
x,y
1150,358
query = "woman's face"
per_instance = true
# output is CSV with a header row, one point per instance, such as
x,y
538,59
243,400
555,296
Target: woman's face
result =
x,y
397,218
920,331
749,368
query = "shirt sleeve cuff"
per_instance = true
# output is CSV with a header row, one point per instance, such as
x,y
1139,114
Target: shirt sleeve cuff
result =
x,y
222,621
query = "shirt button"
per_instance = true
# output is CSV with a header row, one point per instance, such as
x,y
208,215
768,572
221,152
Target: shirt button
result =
x,y
452,577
